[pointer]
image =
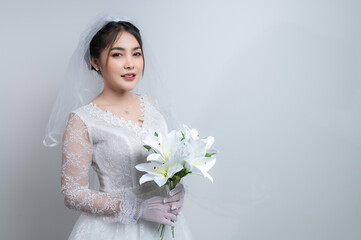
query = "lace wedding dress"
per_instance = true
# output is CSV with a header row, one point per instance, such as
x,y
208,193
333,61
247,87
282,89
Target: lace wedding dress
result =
x,y
112,146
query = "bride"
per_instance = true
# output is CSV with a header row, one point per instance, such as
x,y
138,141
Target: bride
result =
x,y
102,125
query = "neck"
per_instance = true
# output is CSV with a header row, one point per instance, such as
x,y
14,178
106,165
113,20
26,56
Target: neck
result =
x,y
115,97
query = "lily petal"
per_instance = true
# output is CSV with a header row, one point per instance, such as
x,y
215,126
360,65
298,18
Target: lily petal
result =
x,y
208,163
209,177
155,157
209,142
153,142
146,178
147,167
160,180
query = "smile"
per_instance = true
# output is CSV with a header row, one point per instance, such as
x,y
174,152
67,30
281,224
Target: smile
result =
x,y
129,76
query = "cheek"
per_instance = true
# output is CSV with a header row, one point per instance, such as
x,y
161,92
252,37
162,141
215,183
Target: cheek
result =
x,y
140,64
113,65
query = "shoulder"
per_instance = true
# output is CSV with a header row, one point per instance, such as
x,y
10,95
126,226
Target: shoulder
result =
x,y
79,117
77,123
80,110
82,113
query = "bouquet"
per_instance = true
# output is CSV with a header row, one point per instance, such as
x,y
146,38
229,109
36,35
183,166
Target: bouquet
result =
x,y
175,155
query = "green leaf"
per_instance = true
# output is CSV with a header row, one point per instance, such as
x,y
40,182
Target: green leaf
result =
x,y
183,136
147,147
156,134
182,173
176,180
209,154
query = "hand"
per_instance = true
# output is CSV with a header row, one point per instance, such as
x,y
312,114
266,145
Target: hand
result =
x,y
176,198
157,210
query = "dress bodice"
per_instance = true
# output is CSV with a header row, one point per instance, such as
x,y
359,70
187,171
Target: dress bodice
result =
x,y
112,146
117,144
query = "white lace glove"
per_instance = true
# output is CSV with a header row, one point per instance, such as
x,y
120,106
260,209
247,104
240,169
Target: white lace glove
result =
x,y
176,198
157,209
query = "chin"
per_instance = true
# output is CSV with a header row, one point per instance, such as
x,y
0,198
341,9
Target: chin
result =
x,y
129,87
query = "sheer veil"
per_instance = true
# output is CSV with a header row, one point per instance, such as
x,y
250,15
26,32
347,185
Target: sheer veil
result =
x,y
81,84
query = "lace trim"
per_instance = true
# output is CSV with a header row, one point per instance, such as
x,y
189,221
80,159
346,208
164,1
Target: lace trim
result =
x,y
118,121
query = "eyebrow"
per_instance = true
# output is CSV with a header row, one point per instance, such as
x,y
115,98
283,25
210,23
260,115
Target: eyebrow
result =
x,y
122,49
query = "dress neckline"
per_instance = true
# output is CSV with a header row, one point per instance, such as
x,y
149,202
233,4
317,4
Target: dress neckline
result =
x,y
114,118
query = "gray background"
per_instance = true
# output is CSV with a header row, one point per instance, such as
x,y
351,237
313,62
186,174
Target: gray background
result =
x,y
278,83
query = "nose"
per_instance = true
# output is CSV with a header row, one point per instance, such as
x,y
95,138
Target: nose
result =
x,y
128,63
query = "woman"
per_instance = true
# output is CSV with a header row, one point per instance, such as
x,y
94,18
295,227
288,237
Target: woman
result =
x,y
107,134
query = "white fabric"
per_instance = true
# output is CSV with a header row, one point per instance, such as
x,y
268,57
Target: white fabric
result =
x,y
112,146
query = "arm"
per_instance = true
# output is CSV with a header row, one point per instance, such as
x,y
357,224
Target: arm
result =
x,y
77,154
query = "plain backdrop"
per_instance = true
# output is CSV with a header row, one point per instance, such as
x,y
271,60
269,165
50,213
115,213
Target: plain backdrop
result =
x,y
278,83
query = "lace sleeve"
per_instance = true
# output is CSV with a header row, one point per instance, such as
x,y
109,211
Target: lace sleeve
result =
x,y
77,154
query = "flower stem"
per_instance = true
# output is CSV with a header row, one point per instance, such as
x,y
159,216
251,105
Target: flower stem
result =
x,y
171,187
162,231
172,183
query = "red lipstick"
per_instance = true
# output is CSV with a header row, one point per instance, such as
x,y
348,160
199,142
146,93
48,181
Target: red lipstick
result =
x,y
128,76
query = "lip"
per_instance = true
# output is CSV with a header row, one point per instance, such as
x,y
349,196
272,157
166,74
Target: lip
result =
x,y
129,78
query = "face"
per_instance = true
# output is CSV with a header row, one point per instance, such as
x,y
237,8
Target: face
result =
x,y
121,65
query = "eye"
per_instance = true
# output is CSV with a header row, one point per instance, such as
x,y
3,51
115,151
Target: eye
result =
x,y
116,55
138,54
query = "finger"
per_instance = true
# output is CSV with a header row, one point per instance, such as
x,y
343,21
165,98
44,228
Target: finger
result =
x,y
166,207
167,189
175,212
180,210
167,222
156,199
165,200
176,205
157,207
170,216
178,188
174,198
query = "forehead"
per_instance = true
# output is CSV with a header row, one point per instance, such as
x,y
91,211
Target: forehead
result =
x,y
125,40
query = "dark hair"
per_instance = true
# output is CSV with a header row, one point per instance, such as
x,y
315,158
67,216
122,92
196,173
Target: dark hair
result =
x,y
107,35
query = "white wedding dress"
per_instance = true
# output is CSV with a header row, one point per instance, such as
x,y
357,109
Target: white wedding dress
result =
x,y
112,146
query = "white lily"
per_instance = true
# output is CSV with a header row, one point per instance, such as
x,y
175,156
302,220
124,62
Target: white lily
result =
x,y
158,172
209,142
197,161
189,133
194,135
166,158
174,155
153,142
164,147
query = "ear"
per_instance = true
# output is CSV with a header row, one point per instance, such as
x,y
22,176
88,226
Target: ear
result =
x,y
95,63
